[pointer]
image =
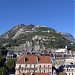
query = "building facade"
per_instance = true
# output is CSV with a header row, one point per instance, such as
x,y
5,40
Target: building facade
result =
x,y
34,64
70,69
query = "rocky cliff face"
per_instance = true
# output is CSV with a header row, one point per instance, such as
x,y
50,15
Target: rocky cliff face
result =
x,y
68,36
47,37
16,31
23,29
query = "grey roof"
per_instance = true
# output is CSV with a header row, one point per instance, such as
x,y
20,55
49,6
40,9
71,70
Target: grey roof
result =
x,y
72,65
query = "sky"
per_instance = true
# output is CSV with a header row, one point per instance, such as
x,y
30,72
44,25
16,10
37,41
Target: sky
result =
x,y
58,14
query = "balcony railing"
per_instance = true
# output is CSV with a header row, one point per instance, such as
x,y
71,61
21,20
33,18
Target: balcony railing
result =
x,y
28,68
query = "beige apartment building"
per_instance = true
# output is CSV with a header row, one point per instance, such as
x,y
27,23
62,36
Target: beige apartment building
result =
x,y
34,64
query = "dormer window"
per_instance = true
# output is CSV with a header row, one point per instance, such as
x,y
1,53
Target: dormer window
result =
x,y
38,59
26,59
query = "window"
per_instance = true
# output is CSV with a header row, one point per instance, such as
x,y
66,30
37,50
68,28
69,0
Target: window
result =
x,y
34,69
44,71
22,68
19,66
40,68
48,68
34,66
25,66
69,73
67,69
44,68
72,73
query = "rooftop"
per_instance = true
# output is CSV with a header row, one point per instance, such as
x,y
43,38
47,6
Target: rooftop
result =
x,y
33,59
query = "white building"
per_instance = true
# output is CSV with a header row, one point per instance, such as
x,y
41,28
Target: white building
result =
x,y
70,69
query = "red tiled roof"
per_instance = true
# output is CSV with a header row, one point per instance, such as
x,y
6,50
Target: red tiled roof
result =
x,y
44,59
32,59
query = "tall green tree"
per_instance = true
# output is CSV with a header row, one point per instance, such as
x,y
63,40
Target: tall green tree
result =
x,y
3,71
2,60
10,64
3,50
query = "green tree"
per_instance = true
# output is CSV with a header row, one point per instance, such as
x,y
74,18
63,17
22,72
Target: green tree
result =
x,y
3,50
2,60
3,71
10,64
62,73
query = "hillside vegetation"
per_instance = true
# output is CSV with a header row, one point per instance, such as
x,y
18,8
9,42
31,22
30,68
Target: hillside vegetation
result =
x,y
50,38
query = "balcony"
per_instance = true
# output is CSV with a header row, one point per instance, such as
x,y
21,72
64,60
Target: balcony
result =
x,y
28,68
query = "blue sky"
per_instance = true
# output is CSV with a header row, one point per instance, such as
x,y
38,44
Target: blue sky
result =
x,y
58,14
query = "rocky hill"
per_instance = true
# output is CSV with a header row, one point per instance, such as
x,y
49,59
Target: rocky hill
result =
x,y
40,36
68,36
